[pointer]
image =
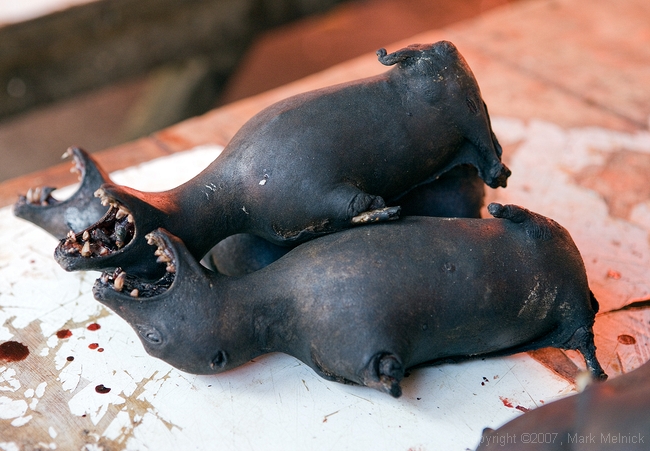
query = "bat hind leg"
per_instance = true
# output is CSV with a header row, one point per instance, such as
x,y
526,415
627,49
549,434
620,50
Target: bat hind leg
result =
x,y
384,372
378,215
366,209
583,341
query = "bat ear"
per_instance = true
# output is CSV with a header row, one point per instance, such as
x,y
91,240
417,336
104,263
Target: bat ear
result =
x,y
389,59
440,50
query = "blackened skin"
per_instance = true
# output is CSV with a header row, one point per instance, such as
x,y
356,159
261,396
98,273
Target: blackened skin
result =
x,y
319,162
458,193
606,416
58,217
363,305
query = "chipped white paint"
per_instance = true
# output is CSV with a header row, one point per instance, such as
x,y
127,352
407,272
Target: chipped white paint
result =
x,y
10,408
276,402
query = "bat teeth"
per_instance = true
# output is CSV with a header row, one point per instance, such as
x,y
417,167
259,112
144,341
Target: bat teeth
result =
x,y
67,153
72,236
135,293
107,200
129,218
150,239
86,235
33,195
171,268
103,197
85,250
121,212
118,283
163,259
72,250
163,254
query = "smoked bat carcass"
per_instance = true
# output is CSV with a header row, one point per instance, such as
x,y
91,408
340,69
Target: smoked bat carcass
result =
x,y
458,192
312,164
365,304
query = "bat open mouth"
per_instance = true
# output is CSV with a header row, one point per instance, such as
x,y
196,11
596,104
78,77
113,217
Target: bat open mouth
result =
x,y
42,195
78,211
117,240
118,281
107,236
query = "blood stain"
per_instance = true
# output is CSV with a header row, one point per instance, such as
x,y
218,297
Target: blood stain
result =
x,y
102,389
505,402
70,358
100,349
94,327
625,339
522,408
13,351
64,333
611,274
93,345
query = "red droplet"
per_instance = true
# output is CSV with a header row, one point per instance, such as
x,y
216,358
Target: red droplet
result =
x,y
94,326
13,351
505,401
70,358
64,333
613,274
522,408
100,350
101,389
625,339
93,345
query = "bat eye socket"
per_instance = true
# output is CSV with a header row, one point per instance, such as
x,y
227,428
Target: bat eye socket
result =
x,y
219,360
472,105
150,334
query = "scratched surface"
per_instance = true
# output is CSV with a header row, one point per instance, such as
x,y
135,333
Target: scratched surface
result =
x,y
88,384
